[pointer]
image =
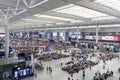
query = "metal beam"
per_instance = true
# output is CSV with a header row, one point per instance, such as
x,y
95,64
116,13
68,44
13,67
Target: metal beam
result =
x,y
40,9
9,3
26,3
98,7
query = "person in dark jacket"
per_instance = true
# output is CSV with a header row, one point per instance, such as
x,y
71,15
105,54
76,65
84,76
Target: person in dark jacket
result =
x,y
68,78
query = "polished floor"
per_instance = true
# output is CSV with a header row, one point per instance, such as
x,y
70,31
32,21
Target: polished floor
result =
x,y
58,74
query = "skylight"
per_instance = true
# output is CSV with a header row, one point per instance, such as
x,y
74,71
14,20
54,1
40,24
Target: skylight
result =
x,y
52,17
114,4
79,11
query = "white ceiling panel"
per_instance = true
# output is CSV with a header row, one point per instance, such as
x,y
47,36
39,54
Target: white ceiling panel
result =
x,y
79,11
114,4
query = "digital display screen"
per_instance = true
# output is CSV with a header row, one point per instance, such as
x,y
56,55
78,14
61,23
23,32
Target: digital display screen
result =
x,y
21,73
73,36
16,74
79,37
35,35
61,33
48,33
27,71
54,33
24,72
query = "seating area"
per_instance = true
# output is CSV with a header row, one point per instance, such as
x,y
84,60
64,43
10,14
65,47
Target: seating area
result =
x,y
73,67
108,56
51,56
39,66
104,76
79,54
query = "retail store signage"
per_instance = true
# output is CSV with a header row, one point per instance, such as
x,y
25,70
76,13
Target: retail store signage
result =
x,y
116,38
110,38
90,37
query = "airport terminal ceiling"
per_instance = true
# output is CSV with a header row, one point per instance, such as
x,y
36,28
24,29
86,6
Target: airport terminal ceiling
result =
x,y
25,14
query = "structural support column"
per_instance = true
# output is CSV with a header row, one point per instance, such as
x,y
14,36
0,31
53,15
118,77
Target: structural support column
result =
x,y
67,36
33,65
64,34
96,46
6,38
77,34
32,60
45,34
97,34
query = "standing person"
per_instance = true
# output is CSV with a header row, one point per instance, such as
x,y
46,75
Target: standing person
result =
x,y
84,71
51,69
47,68
90,67
61,64
103,61
90,56
103,66
110,59
83,76
118,57
111,73
35,75
71,75
68,78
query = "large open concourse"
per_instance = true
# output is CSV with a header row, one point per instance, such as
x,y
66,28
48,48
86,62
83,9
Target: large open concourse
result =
x,y
59,39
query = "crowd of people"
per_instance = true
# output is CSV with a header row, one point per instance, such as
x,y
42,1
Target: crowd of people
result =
x,y
48,68
77,63
39,66
76,67
104,76
51,56
106,57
